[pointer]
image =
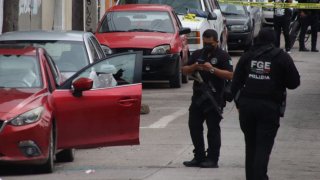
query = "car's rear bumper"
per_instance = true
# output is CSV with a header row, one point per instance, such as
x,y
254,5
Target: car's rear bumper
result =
x,y
160,67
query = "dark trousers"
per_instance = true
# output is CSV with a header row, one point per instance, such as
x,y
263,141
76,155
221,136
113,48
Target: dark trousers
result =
x,y
309,20
196,120
281,23
259,121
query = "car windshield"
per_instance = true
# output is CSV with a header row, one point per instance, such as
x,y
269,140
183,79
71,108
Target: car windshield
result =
x,y
69,56
180,6
19,71
231,9
137,21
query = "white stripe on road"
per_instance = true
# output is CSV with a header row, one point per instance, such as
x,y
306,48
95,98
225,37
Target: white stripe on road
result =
x,y
164,121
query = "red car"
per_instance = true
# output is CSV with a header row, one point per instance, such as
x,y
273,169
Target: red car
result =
x,y
41,117
153,29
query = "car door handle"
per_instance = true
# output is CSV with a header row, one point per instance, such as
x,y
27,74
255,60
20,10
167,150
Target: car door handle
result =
x,y
127,102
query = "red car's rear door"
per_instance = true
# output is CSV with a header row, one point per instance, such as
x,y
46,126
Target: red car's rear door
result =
x,y
106,115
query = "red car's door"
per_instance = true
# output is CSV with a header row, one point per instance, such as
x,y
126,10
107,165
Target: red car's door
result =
x,y
106,115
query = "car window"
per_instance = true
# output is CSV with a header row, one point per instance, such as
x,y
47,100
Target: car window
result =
x,y
146,21
69,56
231,9
180,6
19,71
116,71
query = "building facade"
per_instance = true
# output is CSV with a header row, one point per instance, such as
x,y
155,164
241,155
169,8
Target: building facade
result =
x,y
21,15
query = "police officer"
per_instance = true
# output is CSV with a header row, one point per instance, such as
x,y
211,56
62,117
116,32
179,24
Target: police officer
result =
x,y
214,66
309,17
281,22
259,85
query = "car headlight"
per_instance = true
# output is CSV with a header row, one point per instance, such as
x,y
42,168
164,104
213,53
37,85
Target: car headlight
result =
x,y
164,49
29,117
244,27
106,49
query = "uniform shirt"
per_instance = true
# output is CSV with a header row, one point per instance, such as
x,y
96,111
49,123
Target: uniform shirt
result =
x,y
284,70
217,58
281,12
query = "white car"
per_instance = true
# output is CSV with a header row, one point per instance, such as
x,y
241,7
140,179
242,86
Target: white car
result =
x,y
267,14
209,16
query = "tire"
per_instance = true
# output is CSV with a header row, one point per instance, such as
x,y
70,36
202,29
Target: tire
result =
x,y
176,80
48,166
66,155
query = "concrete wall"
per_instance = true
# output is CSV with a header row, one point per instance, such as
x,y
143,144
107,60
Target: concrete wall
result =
x,y
51,14
47,14
30,14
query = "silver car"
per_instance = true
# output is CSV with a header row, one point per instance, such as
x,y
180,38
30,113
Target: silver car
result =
x,y
70,50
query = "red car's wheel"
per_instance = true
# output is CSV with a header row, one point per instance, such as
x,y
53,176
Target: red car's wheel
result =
x,y
48,166
66,155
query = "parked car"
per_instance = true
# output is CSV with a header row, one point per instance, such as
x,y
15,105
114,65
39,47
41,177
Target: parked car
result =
x,y
208,16
42,117
240,26
71,50
256,14
153,29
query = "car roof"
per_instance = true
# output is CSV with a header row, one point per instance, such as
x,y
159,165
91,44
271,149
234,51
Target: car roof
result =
x,y
141,7
43,35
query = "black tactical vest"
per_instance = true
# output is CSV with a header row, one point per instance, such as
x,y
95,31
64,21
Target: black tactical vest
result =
x,y
261,81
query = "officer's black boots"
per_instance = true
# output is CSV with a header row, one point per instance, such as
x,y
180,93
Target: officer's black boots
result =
x,y
193,163
314,50
208,163
304,49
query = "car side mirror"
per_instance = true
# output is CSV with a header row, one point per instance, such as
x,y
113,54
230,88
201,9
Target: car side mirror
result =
x,y
80,85
212,16
184,31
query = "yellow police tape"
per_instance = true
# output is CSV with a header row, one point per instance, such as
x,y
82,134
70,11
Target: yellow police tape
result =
x,y
274,5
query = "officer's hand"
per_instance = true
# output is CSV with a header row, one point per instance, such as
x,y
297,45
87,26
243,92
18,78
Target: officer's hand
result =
x,y
207,66
197,67
302,14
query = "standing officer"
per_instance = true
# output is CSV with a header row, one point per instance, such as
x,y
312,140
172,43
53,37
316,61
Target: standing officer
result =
x,y
214,66
259,85
309,17
282,18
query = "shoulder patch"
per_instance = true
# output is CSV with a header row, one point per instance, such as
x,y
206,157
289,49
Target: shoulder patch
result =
x,y
214,60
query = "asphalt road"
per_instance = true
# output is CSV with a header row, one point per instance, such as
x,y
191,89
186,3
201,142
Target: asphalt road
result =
x,y
165,139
